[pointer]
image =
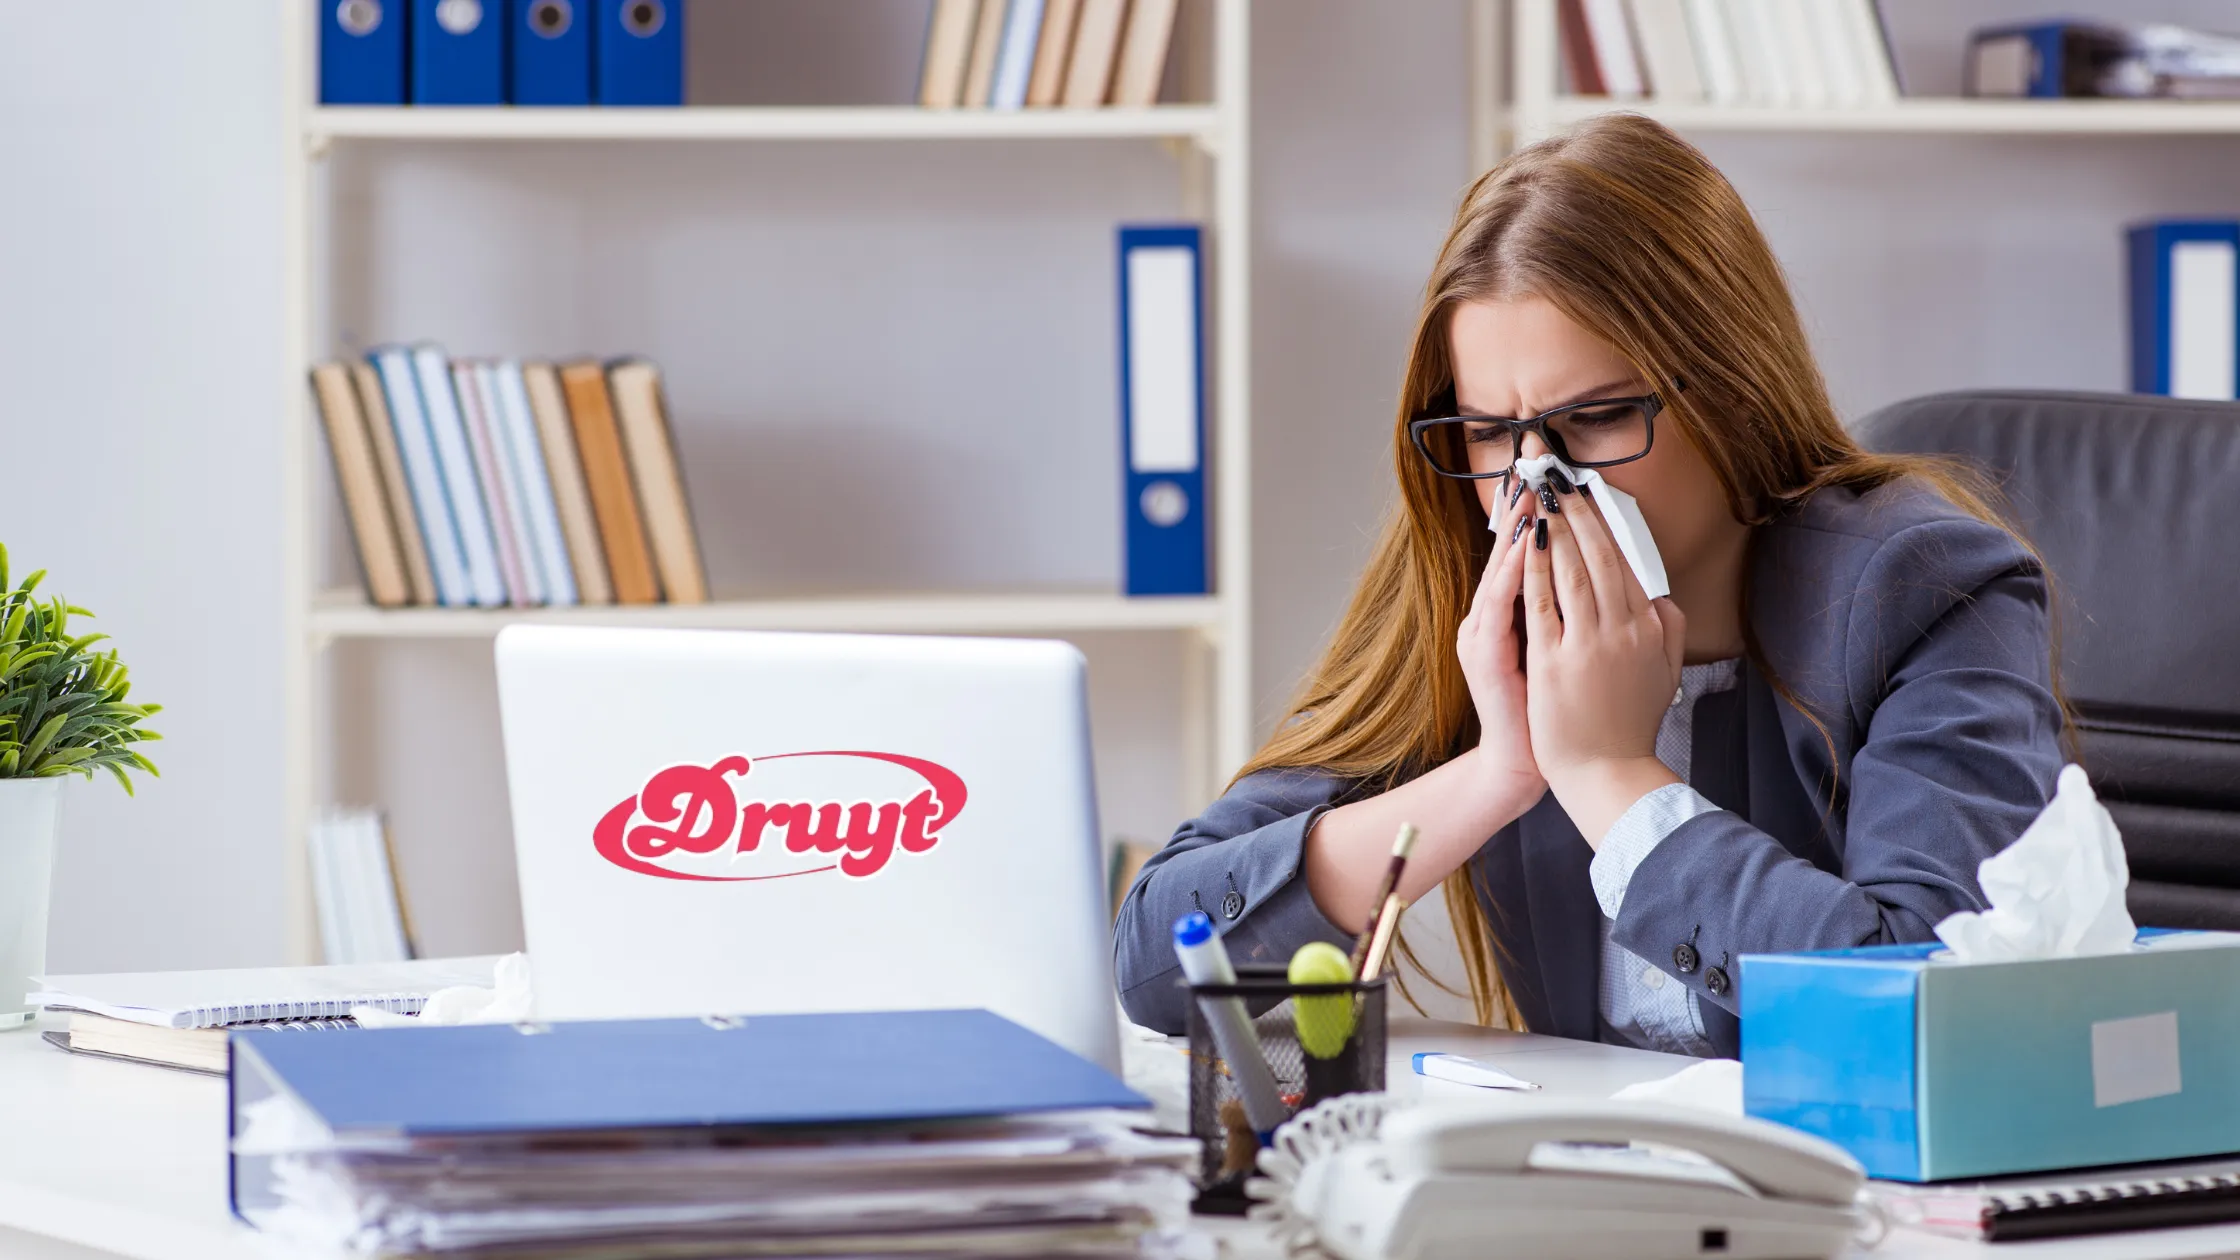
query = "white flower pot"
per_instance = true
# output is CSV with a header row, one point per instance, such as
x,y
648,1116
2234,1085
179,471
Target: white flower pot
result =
x,y
29,809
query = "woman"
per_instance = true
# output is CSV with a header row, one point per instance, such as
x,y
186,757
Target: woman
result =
x,y
1846,703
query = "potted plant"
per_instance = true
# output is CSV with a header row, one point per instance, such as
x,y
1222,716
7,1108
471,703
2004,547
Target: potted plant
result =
x,y
62,711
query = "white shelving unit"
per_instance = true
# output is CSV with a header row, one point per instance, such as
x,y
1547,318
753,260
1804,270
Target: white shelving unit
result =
x,y
1210,141
1515,100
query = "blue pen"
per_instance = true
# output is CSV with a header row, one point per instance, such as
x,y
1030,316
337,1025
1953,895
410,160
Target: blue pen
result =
x,y
1206,961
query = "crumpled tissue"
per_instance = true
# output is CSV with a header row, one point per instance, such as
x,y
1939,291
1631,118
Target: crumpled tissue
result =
x,y
1158,1067
1619,510
2055,893
511,1002
1712,1085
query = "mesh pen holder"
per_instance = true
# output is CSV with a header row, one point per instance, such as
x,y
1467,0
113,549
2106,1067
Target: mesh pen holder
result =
x,y
1343,1023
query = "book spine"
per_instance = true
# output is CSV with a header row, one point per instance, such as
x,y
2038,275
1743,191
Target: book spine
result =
x,y
1143,53
1095,45
1051,53
491,477
381,428
358,477
606,470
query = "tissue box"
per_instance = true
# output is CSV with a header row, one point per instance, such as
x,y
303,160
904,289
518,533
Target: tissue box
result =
x,y
1928,1070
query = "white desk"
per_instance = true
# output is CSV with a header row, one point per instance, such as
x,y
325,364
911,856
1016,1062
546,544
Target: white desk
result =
x,y
127,1160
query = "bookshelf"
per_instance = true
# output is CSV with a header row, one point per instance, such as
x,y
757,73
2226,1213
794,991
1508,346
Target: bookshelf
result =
x,y
1199,125
1209,141
1516,98
344,614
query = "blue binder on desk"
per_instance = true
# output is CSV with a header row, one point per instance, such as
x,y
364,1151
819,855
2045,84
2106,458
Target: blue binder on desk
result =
x,y
1162,410
638,52
458,52
604,1075
361,52
550,53
2185,308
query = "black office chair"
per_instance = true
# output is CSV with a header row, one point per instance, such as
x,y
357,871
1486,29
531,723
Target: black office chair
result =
x,y
2135,502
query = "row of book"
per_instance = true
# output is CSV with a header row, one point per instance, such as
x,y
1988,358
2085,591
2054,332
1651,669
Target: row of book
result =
x,y
1013,54
490,482
1810,53
501,52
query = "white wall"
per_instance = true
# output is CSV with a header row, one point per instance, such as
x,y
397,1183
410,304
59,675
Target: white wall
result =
x,y
140,342
139,304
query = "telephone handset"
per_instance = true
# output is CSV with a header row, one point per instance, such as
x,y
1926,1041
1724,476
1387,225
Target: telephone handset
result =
x,y
1547,1177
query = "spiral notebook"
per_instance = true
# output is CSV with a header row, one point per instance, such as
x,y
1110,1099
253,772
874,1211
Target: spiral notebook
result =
x,y
2088,1201
213,999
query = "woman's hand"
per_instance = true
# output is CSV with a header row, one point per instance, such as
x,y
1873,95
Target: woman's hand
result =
x,y
1602,669
1487,646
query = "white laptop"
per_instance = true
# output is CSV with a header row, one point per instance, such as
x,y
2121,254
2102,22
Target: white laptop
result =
x,y
714,822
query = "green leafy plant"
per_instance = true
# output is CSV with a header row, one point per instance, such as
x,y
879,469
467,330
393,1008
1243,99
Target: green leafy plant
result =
x,y
62,705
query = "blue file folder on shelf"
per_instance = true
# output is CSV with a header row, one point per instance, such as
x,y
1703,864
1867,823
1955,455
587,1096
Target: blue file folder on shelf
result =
x,y
458,52
551,53
2185,308
1162,410
361,52
638,52
423,473
491,1080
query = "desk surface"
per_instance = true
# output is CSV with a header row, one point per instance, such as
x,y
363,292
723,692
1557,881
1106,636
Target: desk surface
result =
x,y
130,1160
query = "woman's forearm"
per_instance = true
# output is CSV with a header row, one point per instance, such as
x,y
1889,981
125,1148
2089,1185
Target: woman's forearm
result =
x,y
1454,808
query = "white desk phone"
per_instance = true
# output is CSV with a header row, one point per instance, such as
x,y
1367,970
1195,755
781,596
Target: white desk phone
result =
x,y
1363,1178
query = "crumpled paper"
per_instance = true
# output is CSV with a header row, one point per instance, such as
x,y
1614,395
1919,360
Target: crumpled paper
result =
x,y
2055,893
1712,1085
1619,511
511,1002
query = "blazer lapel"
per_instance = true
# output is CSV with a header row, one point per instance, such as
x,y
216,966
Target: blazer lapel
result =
x,y
1777,801
1566,921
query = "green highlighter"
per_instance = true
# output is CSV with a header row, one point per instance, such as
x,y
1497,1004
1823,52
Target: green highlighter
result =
x,y
1325,1022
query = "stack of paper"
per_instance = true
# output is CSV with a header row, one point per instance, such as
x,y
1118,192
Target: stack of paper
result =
x,y
927,1133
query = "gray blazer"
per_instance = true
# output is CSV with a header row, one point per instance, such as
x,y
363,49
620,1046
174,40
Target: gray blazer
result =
x,y
1918,635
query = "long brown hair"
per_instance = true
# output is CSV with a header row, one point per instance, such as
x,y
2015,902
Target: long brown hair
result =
x,y
1634,235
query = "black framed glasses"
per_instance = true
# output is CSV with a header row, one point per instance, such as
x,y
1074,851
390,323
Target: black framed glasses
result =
x,y
1593,434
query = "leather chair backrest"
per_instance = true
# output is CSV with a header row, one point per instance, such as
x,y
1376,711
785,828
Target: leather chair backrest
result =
x,y
2134,501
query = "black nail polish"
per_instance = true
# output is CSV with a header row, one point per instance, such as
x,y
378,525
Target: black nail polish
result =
x,y
1549,503
1562,483
1518,532
1540,534
1517,493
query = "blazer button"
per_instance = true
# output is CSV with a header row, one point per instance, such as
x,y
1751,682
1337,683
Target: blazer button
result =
x,y
1232,905
1716,981
1684,957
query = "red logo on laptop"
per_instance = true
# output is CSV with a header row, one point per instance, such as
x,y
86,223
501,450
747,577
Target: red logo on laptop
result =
x,y
703,809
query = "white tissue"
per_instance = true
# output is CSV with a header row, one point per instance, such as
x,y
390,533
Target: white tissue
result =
x,y
511,1002
1619,511
2055,893
1712,1085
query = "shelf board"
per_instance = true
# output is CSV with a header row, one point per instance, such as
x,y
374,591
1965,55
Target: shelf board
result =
x,y
1200,123
344,614
1928,114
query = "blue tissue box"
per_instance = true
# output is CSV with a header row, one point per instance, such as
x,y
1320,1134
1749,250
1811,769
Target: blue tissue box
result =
x,y
1929,1070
